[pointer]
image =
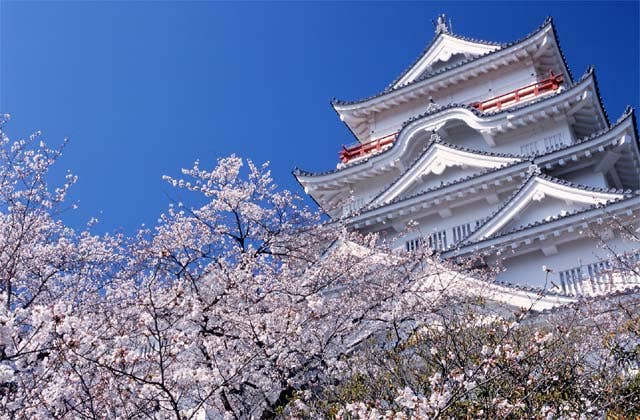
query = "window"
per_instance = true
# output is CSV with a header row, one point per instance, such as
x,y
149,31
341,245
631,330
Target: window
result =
x,y
575,280
546,145
413,244
529,149
353,205
462,231
437,241
553,142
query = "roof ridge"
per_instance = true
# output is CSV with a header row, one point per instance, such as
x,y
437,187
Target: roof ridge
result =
x,y
435,140
582,299
551,219
390,88
538,174
591,188
480,173
505,203
454,105
427,75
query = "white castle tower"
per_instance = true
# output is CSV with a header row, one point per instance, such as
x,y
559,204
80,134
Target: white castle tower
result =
x,y
496,153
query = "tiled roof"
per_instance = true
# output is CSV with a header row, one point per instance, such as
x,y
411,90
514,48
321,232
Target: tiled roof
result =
x,y
463,38
445,185
427,75
628,112
426,149
627,194
589,72
582,299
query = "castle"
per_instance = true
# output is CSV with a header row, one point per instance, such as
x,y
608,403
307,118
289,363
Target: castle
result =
x,y
495,153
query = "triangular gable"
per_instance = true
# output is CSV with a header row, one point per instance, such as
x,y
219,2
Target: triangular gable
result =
x,y
536,189
435,160
444,49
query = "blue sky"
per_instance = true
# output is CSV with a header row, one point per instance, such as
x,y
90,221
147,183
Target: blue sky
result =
x,y
144,88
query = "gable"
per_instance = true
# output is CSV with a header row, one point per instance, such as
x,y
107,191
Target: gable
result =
x,y
430,180
540,211
539,199
431,167
445,50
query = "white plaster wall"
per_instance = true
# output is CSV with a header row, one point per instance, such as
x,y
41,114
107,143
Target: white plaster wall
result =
x,y
510,142
526,270
587,176
540,210
465,136
476,89
467,213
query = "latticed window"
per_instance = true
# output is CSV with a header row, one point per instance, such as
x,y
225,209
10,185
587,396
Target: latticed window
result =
x,y
437,240
529,149
553,142
413,244
594,275
462,231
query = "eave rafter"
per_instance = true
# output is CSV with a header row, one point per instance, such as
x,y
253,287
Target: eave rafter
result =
x,y
436,159
560,229
489,125
535,189
542,42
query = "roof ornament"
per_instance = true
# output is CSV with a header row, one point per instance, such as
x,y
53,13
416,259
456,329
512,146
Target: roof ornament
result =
x,y
433,105
534,169
441,24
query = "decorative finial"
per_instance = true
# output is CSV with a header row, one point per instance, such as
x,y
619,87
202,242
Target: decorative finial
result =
x,y
441,24
534,169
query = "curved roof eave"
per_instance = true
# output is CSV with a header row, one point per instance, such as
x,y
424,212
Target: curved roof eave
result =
x,y
466,247
433,143
520,166
377,157
336,104
515,196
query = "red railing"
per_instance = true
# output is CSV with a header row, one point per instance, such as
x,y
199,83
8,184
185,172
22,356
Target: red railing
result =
x,y
350,153
549,84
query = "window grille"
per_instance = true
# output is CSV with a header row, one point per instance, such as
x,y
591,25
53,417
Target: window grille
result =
x,y
353,206
461,231
597,275
529,149
413,244
437,240
553,142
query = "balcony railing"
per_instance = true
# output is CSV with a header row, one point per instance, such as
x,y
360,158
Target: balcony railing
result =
x,y
349,153
550,84
531,91
601,276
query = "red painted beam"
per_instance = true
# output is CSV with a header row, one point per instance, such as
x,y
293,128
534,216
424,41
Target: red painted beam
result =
x,y
350,153
549,84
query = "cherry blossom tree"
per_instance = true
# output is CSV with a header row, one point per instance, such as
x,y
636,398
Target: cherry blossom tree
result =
x,y
230,308
576,361
247,304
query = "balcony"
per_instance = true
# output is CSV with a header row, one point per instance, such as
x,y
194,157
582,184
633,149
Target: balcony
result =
x,y
349,153
550,84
